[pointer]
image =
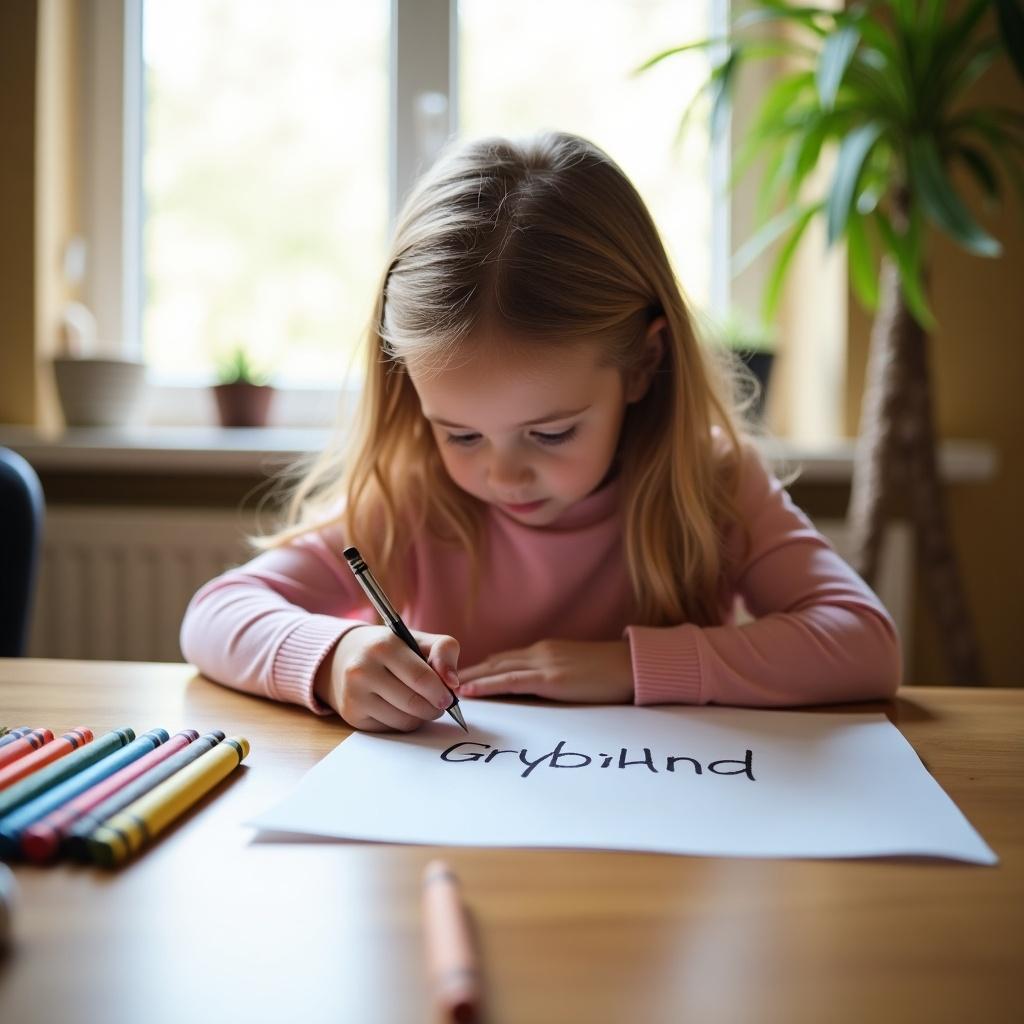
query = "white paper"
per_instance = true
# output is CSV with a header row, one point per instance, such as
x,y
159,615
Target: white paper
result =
x,y
812,785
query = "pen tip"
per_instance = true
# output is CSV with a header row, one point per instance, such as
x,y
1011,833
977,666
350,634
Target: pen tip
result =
x,y
456,712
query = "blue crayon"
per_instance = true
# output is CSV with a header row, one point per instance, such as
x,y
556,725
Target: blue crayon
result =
x,y
13,824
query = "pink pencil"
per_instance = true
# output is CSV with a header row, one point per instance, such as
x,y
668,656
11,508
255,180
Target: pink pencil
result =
x,y
41,841
44,755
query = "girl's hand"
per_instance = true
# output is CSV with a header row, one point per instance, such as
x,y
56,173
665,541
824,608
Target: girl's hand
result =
x,y
569,670
377,684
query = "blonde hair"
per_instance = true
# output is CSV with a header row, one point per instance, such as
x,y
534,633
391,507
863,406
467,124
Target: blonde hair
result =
x,y
547,238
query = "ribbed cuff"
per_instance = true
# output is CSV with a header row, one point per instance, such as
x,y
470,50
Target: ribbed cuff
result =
x,y
301,654
666,664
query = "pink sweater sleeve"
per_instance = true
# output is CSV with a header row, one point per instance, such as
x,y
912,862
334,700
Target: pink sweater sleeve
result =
x,y
266,626
820,635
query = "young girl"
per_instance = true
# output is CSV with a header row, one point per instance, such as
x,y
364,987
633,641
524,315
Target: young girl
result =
x,y
548,481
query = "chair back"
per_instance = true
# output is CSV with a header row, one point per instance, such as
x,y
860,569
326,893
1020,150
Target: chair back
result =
x,y
21,530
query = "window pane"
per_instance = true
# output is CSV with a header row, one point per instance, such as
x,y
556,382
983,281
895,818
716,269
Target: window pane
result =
x,y
536,65
265,176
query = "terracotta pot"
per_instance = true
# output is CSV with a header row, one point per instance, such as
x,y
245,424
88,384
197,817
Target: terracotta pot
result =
x,y
243,405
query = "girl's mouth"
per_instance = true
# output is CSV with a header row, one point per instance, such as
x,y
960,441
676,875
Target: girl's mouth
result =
x,y
524,509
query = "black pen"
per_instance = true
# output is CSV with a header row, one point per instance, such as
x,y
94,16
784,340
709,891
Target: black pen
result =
x,y
386,611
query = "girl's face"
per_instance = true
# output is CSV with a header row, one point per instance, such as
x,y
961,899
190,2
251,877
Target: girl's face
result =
x,y
529,428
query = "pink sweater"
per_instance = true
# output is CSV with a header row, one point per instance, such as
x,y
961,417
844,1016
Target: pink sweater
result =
x,y
819,634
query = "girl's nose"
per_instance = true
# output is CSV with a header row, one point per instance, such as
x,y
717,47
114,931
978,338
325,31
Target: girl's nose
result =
x,y
507,470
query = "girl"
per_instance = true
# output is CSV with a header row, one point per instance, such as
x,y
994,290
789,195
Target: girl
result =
x,y
549,482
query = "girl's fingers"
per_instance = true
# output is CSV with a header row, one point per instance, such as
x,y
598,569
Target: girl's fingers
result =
x,y
515,681
442,652
409,673
392,717
369,724
495,665
395,693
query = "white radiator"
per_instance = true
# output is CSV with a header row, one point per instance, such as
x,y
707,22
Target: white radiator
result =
x,y
114,582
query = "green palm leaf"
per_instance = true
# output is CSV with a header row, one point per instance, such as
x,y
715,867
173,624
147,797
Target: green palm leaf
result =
x,y
940,201
887,83
773,289
906,250
836,55
852,154
862,263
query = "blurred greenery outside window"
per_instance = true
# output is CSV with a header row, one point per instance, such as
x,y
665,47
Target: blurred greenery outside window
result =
x,y
266,164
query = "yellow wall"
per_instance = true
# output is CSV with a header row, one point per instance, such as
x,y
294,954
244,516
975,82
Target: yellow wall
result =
x,y
978,375
40,188
17,201
58,182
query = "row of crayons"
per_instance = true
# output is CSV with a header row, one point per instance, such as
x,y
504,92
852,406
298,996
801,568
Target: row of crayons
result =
x,y
102,799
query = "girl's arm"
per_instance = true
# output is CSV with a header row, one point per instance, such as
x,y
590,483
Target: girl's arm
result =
x,y
820,635
266,626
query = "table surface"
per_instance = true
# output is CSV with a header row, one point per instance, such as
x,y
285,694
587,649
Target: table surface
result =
x,y
212,920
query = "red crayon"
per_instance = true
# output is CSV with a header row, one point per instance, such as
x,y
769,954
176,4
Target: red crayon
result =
x,y
44,755
24,745
14,734
41,840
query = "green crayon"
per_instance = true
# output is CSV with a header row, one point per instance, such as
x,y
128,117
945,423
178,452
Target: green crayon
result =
x,y
38,782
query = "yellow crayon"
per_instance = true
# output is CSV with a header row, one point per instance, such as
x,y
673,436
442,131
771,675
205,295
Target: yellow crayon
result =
x,y
138,823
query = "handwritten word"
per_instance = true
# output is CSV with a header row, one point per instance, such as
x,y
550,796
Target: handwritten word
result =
x,y
562,758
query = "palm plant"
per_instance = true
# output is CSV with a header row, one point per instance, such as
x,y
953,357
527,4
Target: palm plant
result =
x,y
887,83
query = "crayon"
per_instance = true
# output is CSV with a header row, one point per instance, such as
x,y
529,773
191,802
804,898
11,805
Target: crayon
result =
x,y
451,952
140,822
38,782
14,734
8,891
13,825
41,840
44,755
4,730
24,745
75,843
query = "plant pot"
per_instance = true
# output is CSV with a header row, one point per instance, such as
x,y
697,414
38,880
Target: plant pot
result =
x,y
243,405
99,392
759,362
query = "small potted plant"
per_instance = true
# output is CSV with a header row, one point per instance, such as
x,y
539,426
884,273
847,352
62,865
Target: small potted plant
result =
x,y
752,341
242,392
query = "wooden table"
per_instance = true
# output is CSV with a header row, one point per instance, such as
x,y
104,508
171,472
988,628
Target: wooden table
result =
x,y
212,924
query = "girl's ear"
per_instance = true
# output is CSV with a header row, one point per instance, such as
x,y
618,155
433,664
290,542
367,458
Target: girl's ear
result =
x,y
638,380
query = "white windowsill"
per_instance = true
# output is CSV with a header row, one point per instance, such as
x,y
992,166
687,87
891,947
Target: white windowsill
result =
x,y
217,450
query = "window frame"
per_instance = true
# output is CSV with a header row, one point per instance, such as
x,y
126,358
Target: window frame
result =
x,y
423,112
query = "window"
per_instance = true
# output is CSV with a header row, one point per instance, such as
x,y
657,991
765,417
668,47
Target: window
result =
x,y
265,182
278,140
536,65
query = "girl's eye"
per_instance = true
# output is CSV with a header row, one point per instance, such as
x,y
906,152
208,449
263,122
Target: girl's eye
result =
x,y
560,438
462,440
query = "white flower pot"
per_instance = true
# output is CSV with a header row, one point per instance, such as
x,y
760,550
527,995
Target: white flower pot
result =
x,y
99,392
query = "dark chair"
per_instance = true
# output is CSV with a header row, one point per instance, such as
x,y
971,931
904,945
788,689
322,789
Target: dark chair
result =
x,y
21,529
